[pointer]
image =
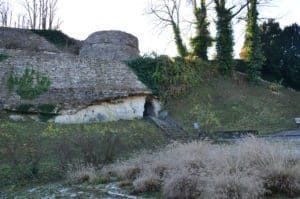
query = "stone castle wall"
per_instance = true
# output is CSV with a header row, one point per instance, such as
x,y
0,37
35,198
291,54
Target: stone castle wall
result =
x,y
21,39
111,45
76,82
95,86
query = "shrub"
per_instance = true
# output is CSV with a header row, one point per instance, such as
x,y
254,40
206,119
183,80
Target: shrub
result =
x,y
3,57
167,76
30,85
251,168
205,115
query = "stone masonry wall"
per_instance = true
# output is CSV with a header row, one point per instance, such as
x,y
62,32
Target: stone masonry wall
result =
x,y
111,45
76,82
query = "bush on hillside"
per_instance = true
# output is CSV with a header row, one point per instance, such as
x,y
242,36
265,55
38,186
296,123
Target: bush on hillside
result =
x,y
251,168
168,76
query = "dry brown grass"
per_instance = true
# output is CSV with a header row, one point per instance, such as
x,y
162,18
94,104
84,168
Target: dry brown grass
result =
x,y
251,168
81,173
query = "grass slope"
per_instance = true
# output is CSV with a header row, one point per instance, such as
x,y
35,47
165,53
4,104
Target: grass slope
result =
x,y
238,105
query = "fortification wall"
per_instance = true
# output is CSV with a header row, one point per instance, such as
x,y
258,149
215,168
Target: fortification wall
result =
x,y
111,45
76,82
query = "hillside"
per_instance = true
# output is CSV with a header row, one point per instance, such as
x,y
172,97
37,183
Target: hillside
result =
x,y
194,91
238,105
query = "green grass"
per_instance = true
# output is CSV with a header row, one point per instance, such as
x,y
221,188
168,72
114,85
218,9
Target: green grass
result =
x,y
241,106
35,152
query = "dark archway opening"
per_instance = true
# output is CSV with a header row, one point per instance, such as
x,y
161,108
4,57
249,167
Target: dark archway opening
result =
x,y
149,109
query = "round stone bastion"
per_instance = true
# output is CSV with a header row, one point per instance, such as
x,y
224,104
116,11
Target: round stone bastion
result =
x,y
111,45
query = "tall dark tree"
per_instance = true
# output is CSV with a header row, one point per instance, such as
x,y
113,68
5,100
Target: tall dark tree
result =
x,y
290,62
202,40
224,38
254,56
270,40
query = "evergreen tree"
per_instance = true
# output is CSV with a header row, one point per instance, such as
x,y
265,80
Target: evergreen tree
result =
x,y
202,40
290,59
224,39
254,55
271,47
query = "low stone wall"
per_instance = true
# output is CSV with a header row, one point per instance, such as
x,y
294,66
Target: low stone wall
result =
x,y
124,109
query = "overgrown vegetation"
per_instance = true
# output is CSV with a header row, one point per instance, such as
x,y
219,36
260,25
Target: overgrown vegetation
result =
x,y
254,56
40,152
3,57
167,76
202,39
29,85
248,169
224,38
59,39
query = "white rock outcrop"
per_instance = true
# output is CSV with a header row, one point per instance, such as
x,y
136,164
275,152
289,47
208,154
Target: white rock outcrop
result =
x,y
125,109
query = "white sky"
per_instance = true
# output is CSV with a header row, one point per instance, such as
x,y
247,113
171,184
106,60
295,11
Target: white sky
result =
x,y
83,17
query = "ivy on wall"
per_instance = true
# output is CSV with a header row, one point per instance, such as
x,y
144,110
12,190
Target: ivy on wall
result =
x,y
3,57
30,85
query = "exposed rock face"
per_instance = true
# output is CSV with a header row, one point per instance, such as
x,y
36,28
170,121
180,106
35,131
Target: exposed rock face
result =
x,y
76,83
125,109
111,45
13,38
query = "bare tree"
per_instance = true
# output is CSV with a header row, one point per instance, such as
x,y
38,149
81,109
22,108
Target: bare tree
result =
x,y
52,15
167,12
31,7
42,14
5,13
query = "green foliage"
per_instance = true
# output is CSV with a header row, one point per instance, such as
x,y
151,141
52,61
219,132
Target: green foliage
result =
x,y
254,55
202,40
275,86
56,37
30,85
290,63
271,46
40,152
46,108
24,108
166,76
206,117
3,57
181,48
281,49
224,38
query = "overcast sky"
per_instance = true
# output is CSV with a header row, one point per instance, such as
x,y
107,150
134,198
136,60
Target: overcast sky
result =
x,y
83,17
